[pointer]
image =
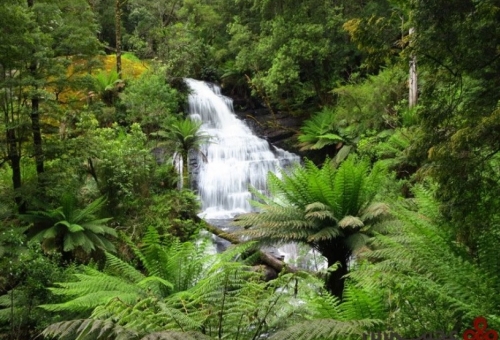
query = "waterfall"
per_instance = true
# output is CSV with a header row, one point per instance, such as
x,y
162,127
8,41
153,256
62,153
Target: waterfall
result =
x,y
236,158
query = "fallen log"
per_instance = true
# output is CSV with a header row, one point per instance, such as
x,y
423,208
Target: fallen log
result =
x,y
265,258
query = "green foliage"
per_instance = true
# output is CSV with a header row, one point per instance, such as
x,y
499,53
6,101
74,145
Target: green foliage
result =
x,y
457,54
378,35
150,101
322,202
227,301
319,132
68,228
290,45
122,164
174,213
26,273
169,266
425,275
107,85
371,105
361,311
330,209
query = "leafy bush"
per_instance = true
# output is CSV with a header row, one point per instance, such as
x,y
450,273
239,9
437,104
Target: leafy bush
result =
x,y
25,274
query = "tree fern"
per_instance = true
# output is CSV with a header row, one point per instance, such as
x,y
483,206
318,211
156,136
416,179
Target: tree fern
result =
x,y
323,207
318,132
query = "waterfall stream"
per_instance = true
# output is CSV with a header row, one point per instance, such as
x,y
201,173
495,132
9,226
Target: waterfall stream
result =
x,y
236,160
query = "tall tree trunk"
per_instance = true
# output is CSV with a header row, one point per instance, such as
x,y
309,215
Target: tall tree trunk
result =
x,y
15,164
35,122
37,137
413,76
118,37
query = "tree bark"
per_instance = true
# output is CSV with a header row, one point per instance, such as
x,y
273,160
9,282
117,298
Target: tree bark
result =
x,y
15,164
266,259
336,251
37,137
413,88
185,171
35,122
118,37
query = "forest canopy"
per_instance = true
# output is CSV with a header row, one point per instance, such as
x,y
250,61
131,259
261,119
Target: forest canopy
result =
x,y
393,107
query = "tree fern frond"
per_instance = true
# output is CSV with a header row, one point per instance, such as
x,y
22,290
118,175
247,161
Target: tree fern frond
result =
x,y
327,233
118,267
327,329
89,329
361,304
351,221
374,211
88,211
175,335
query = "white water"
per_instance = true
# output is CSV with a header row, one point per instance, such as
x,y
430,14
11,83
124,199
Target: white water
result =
x,y
236,158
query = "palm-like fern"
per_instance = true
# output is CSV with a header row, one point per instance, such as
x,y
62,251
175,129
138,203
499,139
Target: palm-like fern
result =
x,y
329,208
68,228
107,85
318,132
186,136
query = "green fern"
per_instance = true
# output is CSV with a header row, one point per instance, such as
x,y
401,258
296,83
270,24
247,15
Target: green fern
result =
x,y
331,209
68,228
169,268
230,302
431,282
361,311
318,132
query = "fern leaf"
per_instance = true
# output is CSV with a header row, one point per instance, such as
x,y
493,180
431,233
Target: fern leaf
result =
x,y
175,335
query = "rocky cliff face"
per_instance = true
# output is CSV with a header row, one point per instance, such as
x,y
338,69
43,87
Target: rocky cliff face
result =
x,y
278,128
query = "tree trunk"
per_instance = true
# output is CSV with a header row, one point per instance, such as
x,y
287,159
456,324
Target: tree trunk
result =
x,y
35,121
264,257
185,171
336,251
413,96
118,37
37,137
15,164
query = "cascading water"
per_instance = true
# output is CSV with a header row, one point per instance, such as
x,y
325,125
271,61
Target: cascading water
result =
x,y
236,158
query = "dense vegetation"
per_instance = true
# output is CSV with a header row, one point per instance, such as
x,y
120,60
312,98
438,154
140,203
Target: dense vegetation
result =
x,y
99,237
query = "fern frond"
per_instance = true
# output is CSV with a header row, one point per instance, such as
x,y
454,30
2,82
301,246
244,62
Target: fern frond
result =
x,y
175,335
351,221
89,329
327,329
